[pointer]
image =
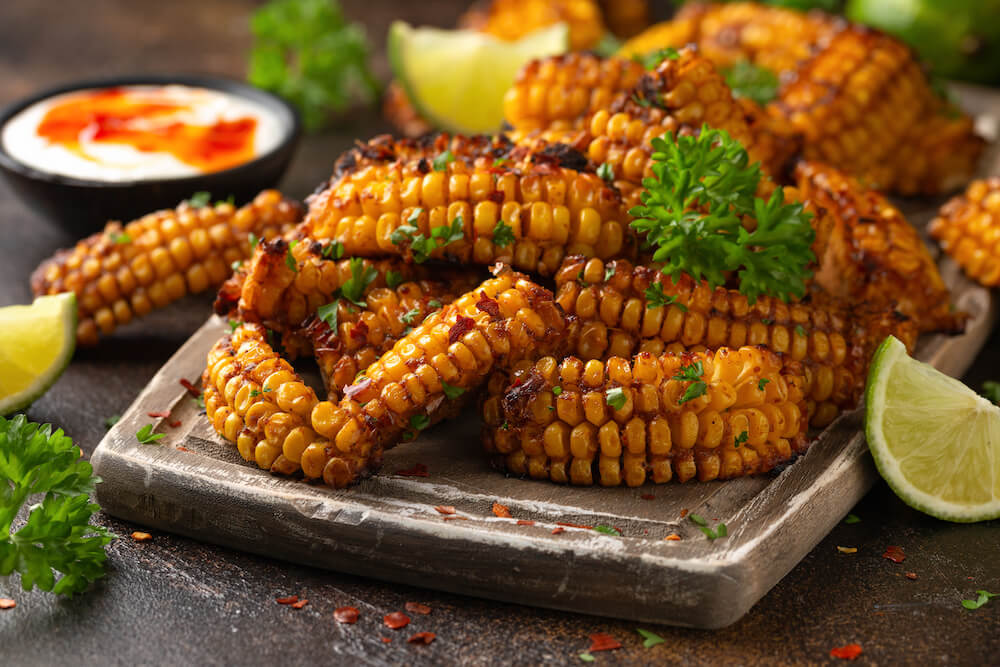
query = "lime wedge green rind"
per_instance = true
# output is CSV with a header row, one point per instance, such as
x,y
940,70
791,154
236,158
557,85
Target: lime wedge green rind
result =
x,y
935,441
36,345
457,78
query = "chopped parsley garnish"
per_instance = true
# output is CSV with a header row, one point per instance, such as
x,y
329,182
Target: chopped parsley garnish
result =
x,y
333,250
441,162
410,315
146,436
650,639
422,246
434,304
499,161
451,391
290,258
253,240
414,217
653,59
608,530
767,321
503,234
329,314
556,390
46,471
393,278
579,279
692,374
112,420
232,325
761,383
692,212
984,597
307,52
852,518
615,397
199,402
235,266
354,287
991,390
800,331
720,530
255,393
231,200
121,238
740,439
200,199
609,272
751,81
587,657
419,422
606,172
505,426
655,298
641,101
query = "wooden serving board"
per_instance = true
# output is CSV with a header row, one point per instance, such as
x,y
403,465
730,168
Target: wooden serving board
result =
x,y
195,484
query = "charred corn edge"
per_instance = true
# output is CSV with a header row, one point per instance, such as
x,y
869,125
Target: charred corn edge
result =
x,y
127,271
459,345
968,230
647,431
255,400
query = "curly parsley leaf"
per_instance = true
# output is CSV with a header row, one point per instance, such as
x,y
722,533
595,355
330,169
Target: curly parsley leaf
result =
x,y
329,314
751,81
655,298
693,374
56,537
393,278
452,391
441,162
290,258
410,315
333,250
503,234
691,215
606,172
307,52
615,397
362,276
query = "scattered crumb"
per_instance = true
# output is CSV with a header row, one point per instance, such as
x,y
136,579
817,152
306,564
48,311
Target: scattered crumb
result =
x,y
140,536
847,550
673,537
7,603
911,575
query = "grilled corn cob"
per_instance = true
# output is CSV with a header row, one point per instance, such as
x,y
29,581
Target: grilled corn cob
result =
x,y
968,229
504,320
864,105
873,255
718,415
255,400
127,270
530,217
619,313
513,19
363,334
625,18
565,87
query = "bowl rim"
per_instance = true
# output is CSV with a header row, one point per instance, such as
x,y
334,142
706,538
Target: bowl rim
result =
x,y
287,114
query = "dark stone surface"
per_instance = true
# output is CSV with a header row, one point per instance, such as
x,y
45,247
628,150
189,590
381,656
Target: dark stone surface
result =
x,y
175,601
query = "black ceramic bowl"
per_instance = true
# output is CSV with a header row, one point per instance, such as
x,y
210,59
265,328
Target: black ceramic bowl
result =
x,y
83,206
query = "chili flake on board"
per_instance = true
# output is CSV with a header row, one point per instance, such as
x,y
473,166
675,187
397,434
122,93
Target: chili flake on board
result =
x,y
422,638
291,599
849,652
895,554
140,536
190,387
347,615
558,529
501,511
445,509
159,414
600,641
418,470
301,603
396,620
7,603
417,608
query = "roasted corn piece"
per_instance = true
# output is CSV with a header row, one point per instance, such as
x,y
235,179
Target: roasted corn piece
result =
x,y
565,87
865,105
350,338
513,19
968,229
714,415
504,320
128,270
528,216
255,400
623,309
872,254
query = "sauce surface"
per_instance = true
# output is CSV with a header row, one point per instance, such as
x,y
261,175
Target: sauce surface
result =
x,y
139,132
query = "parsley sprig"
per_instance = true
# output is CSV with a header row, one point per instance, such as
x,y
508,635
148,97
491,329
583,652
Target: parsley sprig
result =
x,y
307,52
422,246
702,523
752,81
693,374
35,461
691,214
352,291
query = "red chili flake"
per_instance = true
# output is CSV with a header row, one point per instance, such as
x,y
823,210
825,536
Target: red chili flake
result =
x,y
418,470
673,537
488,305
422,638
161,414
895,554
175,423
359,331
524,522
501,511
291,599
347,615
648,496
7,603
911,575
517,382
352,390
445,509
301,603
573,525
386,640
600,641
462,326
417,608
684,513
140,536
182,448
455,518
558,529
190,387
849,652
396,620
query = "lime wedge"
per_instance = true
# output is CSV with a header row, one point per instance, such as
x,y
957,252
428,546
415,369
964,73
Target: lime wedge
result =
x,y
36,344
457,78
934,440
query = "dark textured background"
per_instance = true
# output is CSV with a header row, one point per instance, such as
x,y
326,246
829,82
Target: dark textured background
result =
x,y
175,601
